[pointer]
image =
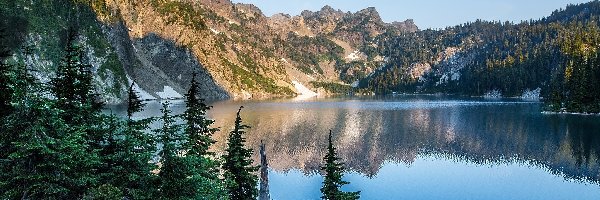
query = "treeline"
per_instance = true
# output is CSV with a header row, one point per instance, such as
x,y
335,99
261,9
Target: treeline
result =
x,y
503,56
56,143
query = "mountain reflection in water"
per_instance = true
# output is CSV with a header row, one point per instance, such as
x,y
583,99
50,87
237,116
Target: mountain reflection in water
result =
x,y
372,133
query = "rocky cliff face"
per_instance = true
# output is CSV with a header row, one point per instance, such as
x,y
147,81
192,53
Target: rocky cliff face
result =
x,y
237,51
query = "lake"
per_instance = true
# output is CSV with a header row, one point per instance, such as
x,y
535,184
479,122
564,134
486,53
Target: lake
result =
x,y
420,147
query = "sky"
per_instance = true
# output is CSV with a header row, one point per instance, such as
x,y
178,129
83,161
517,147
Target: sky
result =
x,y
426,13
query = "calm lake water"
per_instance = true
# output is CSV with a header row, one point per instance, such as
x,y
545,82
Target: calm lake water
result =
x,y
420,147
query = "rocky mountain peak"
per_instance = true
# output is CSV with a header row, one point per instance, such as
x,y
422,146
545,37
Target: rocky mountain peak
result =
x,y
407,25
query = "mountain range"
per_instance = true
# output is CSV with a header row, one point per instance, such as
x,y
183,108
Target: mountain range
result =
x,y
240,53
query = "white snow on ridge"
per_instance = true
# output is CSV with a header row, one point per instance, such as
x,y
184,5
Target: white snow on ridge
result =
x,y
305,93
142,93
353,56
169,93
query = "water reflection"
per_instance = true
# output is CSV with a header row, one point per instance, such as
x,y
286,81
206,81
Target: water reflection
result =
x,y
371,132
375,134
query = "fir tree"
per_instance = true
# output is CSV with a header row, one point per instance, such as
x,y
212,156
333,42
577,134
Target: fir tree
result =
x,y
333,182
72,85
240,180
198,127
5,73
134,103
47,158
175,175
134,148
199,133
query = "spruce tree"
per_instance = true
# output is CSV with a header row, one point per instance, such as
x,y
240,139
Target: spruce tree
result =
x,y
240,180
333,182
139,148
72,87
198,127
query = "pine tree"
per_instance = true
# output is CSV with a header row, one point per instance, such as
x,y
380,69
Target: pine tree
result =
x,y
333,182
240,181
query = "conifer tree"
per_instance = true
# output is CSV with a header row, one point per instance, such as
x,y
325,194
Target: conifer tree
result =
x,y
126,153
240,180
5,89
333,182
47,158
198,127
175,175
138,149
199,133
134,103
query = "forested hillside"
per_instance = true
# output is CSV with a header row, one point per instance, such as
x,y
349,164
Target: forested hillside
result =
x,y
556,54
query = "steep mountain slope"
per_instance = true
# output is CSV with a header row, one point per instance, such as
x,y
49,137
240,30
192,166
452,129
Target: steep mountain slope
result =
x,y
238,52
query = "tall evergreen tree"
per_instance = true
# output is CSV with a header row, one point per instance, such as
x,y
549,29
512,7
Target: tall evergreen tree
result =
x,y
138,149
134,103
198,127
199,133
5,73
334,171
72,85
176,177
47,158
240,179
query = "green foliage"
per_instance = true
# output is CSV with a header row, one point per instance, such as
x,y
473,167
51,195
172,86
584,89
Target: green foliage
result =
x,y
181,13
333,182
250,80
308,52
72,85
134,104
336,88
48,157
104,192
580,46
199,133
498,56
240,179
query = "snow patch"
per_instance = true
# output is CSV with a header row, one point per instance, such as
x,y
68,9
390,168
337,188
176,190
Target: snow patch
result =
x,y
169,93
141,93
304,92
493,94
353,56
533,95
214,31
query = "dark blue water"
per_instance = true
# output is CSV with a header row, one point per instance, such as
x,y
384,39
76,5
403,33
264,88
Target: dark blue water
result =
x,y
423,147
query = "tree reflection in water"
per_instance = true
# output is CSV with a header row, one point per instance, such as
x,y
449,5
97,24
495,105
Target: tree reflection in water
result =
x,y
375,132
